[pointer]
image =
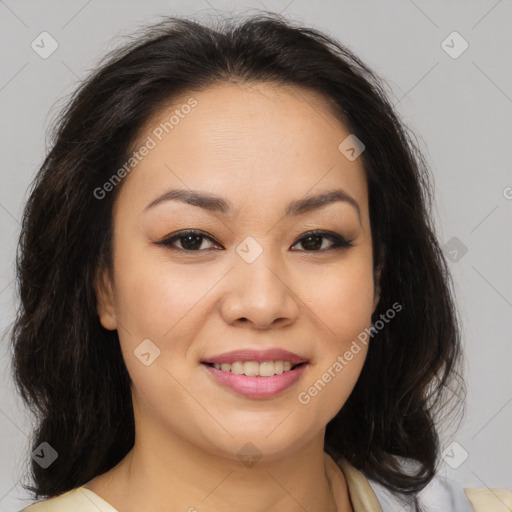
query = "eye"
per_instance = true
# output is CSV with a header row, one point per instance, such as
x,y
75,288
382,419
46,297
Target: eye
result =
x,y
312,241
190,240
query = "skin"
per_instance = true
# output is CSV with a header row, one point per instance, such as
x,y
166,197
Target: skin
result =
x,y
258,146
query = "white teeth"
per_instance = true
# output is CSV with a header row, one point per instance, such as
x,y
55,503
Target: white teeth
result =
x,y
237,368
278,367
253,368
266,369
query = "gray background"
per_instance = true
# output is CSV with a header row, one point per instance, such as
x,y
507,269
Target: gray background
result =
x,y
460,108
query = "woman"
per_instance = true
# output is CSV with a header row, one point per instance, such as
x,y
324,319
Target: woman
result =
x,y
232,296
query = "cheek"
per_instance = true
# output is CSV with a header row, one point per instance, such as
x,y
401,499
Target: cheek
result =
x,y
153,295
342,298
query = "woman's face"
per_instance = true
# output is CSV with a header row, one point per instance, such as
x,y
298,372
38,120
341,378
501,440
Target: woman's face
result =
x,y
252,288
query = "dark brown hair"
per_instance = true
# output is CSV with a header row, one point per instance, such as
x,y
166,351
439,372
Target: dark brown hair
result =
x,y
69,369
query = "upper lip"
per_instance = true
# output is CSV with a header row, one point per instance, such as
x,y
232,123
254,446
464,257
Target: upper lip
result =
x,y
273,354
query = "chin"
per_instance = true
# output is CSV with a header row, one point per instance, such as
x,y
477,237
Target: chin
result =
x,y
265,439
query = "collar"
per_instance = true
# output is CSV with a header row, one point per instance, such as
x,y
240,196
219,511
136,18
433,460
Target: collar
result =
x,y
361,493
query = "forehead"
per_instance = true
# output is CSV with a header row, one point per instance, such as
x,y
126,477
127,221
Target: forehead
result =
x,y
251,141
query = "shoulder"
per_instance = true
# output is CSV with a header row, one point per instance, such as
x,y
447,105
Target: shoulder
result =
x,y
77,500
489,500
443,494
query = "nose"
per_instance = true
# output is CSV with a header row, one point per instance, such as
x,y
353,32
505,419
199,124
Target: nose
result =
x,y
259,296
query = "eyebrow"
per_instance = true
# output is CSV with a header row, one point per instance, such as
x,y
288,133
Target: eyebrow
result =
x,y
217,204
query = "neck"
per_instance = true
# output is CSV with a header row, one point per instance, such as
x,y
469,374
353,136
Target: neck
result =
x,y
175,475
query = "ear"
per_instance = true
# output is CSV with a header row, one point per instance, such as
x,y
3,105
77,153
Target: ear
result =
x,y
105,303
376,293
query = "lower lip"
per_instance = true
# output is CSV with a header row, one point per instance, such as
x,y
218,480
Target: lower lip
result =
x,y
257,387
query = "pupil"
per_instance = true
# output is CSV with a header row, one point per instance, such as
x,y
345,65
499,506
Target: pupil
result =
x,y
314,245
193,245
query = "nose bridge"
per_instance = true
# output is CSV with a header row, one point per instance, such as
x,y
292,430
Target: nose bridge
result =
x,y
258,291
261,270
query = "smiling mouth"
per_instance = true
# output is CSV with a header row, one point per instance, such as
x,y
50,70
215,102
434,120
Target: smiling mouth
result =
x,y
255,368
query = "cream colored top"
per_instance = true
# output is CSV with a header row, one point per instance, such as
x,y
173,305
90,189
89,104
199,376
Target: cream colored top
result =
x,y
441,495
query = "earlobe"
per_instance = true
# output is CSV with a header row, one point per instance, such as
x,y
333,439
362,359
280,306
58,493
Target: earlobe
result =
x,y
105,305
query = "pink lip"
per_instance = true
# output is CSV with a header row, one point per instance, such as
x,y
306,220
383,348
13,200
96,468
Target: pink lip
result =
x,y
260,356
257,387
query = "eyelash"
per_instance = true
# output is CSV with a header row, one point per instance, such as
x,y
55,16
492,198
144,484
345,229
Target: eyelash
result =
x,y
339,242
